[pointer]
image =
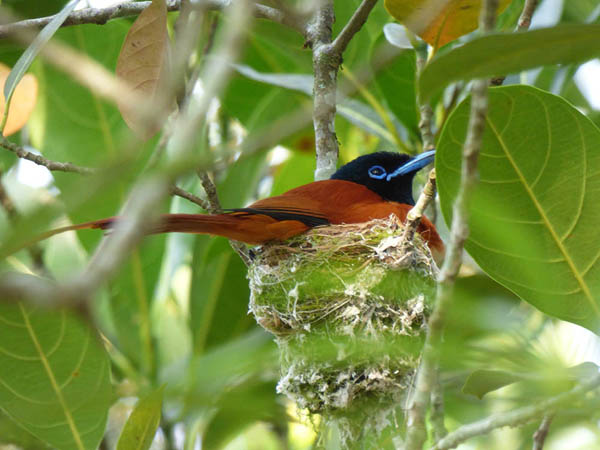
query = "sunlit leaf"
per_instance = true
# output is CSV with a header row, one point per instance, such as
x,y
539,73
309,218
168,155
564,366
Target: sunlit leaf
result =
x,y
534,214
54,376
502,54
138,433
438,22
143,58
23,101
396,35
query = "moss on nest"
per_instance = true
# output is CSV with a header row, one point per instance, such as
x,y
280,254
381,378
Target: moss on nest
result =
x,y
348,308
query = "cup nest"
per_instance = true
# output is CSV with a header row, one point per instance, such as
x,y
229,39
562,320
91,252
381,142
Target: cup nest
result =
x,y
348,309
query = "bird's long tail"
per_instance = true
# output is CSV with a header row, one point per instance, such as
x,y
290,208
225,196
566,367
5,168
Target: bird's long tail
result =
x,y
249,228
218,224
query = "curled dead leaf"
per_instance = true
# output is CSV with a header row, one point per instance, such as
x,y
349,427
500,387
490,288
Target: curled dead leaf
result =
x,y
142,64
438,21
22,103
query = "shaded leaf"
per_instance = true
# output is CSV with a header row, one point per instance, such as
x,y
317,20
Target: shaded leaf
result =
x,y
480,382
439,22
142,60
24,62
139,430
501,54
22,103
55,376
533,216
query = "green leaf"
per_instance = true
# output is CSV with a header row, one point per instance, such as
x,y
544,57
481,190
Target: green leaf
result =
x,y
138,433
480,382
54,376
502,54
34,48
534,214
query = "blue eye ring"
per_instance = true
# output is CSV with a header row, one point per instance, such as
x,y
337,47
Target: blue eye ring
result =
x,y
377,172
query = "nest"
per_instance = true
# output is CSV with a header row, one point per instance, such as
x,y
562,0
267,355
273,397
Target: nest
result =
x,y
348,309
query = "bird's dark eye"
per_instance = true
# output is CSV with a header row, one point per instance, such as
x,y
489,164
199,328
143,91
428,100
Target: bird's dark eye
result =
x,y
377,172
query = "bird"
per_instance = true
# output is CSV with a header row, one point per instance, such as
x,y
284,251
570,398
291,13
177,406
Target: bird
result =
x,y
372,186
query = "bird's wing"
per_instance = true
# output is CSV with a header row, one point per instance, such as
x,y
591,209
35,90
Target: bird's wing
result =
x,y
314,204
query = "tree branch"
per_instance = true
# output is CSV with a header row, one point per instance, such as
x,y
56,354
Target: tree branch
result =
x,y
101,16
327,58
539,437
40,160
427,372
175,190
413,218
355,23
518,416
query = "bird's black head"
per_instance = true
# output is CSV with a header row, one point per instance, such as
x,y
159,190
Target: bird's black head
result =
x,y
388,174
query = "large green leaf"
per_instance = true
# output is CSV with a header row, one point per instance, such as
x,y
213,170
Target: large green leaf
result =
x,y
502,54
54,376
534,214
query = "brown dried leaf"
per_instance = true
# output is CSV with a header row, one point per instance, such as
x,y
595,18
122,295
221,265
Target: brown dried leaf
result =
x,y
22,103
438,21
143,60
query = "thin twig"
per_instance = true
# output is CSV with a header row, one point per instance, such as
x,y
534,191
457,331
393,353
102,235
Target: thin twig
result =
x,y
101,16
355,23
175,190
413,217
518,416
426,375
539,437
40,160
522,25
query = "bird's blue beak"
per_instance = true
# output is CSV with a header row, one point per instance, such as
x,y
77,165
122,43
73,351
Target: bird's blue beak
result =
x,y
417,163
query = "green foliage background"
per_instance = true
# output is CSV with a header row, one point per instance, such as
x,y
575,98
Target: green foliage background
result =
x,y
176,315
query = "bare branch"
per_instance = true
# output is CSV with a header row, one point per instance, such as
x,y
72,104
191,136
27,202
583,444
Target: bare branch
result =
x,y
101,16
539,437
40,160
327,58
325,67
518,416
525,18
413,218
426,375
355,23
175,190
522,25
